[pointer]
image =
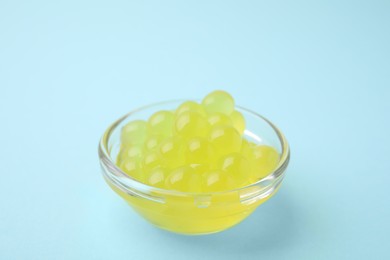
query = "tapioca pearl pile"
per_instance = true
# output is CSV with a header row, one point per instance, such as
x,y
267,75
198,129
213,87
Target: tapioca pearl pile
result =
x,y
198,147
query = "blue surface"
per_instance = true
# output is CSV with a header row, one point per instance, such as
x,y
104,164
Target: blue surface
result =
x,y
318,69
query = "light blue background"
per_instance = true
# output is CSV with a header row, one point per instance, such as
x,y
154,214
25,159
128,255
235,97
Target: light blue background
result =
x,y
318,69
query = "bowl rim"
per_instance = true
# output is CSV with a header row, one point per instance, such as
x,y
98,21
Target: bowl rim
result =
x,y
129,184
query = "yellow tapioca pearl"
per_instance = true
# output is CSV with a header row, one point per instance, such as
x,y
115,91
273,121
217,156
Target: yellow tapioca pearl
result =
x,y
219,119
152,142
156,177
198,150
200,168
190,106
265,160
184,179
161,123
132,168
172,152
191,124
151,160
238,121
246,149
133,152
236,166
225,139
216,180
218,101
134,132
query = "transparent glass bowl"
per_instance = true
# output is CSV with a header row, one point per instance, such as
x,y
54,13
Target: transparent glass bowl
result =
x,y
193,213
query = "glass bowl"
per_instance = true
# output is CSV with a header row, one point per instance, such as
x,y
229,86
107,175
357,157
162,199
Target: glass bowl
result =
x,y
193,213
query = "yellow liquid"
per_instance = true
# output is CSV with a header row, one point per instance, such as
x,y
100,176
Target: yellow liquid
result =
x,y
185,215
